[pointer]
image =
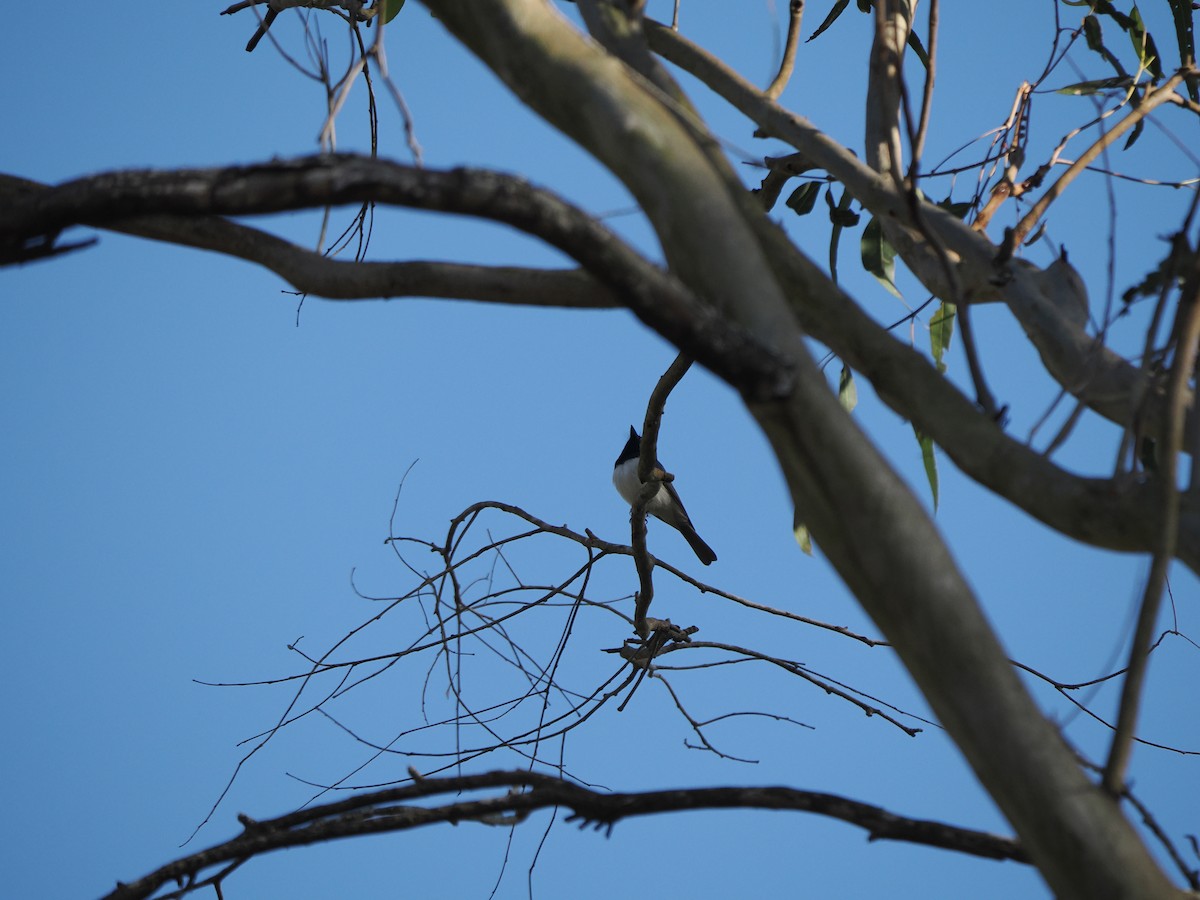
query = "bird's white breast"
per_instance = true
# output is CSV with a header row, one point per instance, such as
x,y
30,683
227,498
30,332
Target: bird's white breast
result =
x,y
626,482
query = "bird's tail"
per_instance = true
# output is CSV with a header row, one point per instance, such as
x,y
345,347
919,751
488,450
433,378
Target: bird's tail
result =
x,y
701,549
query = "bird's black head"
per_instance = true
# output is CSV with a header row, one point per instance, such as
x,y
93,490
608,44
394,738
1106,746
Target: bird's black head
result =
x,y
633,447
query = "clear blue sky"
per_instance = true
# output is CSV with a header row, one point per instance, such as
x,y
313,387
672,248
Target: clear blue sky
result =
x,y
196,474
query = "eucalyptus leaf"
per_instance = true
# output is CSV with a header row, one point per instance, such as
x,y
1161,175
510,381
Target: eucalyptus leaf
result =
x,y
1083,88
804,198
1143,44
941,330
879,256
390,9
847,391
838,8
1181,12
842,217
930,461
800,533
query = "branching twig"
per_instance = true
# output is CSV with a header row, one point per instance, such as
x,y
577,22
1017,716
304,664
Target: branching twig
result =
x,y
1148,104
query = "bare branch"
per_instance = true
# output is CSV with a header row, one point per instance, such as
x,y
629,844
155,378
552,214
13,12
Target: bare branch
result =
x,y
332,179
393,810
788,64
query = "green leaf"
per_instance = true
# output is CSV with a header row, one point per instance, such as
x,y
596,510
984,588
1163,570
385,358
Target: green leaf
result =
x,y
930,461
879,256
804,198
1181,12
1143,44
1083,88
941,330
1135,134
841,216
390,9
847,392
800,532
1092,33
837,10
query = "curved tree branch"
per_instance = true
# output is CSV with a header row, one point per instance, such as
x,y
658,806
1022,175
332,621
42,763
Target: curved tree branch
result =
x,y
393,810
111,199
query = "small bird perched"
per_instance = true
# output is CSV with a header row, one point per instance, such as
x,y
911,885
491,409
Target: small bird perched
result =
x,y
664,505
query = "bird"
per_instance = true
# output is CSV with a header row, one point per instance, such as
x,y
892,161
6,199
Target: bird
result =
x,y
664,505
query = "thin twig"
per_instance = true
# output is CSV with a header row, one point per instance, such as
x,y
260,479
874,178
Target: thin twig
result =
x,y
1149,103
788,64
1187,336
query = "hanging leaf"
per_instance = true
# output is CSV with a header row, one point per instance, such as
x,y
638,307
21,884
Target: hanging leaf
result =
x,y
1181,11
927,457
1135,134
804,198
800,533
847,392
879,256
1094,36
941,330
841,216
1092,33
390,9
1104,7
1143,45
837,10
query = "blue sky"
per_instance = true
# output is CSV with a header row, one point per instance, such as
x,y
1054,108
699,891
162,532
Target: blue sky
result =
x,y
196,473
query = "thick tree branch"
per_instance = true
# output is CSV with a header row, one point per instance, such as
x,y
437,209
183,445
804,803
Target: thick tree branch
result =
x,y
393,810
1115,515
111,199
893,21
334,279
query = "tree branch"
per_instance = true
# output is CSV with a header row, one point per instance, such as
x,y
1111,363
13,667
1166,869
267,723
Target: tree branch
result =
x,y
392,810
1094,374
788,63
110,199
649,474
